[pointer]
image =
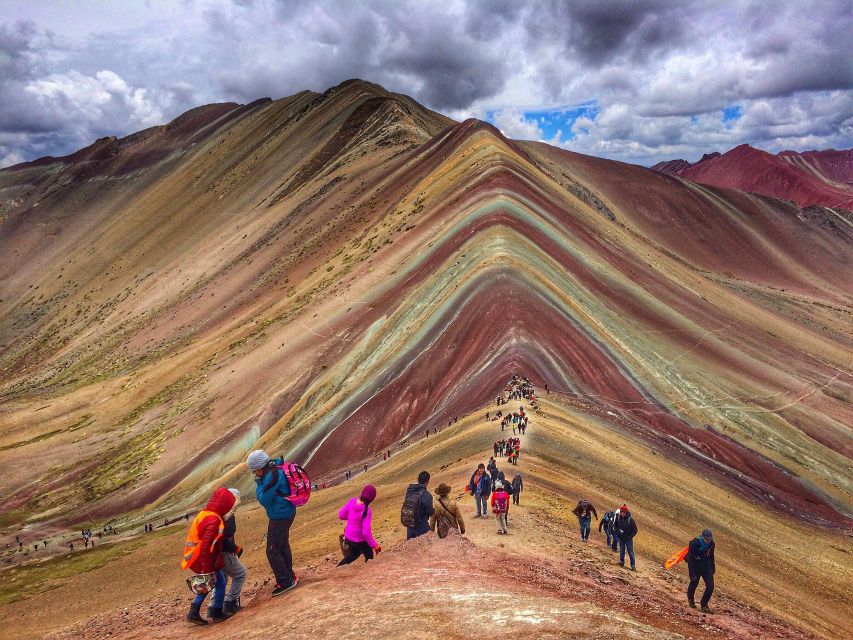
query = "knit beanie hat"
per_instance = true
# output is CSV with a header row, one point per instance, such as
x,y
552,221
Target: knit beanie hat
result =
x,y
623,508
707,534
368,494
258,459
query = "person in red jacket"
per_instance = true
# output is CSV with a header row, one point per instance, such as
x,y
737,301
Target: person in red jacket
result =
x,y
203,552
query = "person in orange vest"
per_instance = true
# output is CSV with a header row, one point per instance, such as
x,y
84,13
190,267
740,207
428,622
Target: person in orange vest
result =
x,y
203,552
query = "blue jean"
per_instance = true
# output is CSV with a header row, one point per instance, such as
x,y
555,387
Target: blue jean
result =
x,y
219,592
585,524
482,504
629,546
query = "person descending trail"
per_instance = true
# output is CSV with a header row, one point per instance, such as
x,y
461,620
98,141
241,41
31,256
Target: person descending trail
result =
x,y
232,567
203,556
700,564
517,488
500,507
626,530
480,487
417,507
584,511
447,516
273,489
358,537
607,521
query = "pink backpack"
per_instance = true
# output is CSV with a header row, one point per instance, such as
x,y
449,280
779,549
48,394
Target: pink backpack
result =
x,y
299,482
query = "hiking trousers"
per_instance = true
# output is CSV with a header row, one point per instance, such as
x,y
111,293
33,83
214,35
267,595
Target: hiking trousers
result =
x,y
516,495
235,570
708,579
626,545
482,504
357,549
278,551
585,523
501,520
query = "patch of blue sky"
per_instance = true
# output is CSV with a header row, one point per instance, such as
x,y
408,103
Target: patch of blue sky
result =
x,y
732,113
561,119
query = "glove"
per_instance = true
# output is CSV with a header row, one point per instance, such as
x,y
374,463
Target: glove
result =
x,y
239,551
377,549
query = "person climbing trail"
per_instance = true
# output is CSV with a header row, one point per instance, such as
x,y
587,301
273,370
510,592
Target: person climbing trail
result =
x,y
517,488
232,567
500,507
447,516
607,523
584,512
480,487
203,555
700,564
626,530
272,489
358,536
417,507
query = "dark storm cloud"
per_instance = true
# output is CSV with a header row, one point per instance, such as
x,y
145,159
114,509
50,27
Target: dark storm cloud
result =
x,y
659,73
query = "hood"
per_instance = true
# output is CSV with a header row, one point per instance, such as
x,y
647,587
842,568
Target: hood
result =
x,y
415,488
221,502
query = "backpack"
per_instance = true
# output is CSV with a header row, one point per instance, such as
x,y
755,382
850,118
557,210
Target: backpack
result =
x,y
501,503
410,509
299,482
444,523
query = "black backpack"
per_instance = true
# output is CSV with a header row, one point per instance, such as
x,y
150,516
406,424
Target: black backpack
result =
x,y
410,509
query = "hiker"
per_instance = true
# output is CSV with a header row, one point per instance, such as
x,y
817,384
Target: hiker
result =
x,y
447,516
357,533
232,567
493,469
417,507
480,487
700,564
607,522
500,506
625,529
517,487
203,554
272,490
584,511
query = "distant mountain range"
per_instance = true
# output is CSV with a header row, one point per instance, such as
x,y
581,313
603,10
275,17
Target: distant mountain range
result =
x,y
809,178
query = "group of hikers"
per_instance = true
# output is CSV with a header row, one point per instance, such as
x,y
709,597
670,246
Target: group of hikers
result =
x,y
508,448
213,555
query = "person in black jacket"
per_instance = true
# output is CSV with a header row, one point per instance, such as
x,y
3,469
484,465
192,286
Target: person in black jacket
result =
x,y
607,521
625,529
233,567
424,509
700,564
584,511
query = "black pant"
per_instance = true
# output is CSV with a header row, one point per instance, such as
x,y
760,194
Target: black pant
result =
x,y
708,578
515,496
355,550
278,551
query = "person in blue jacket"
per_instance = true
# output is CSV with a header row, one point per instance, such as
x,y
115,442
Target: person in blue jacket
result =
x,y
272,490
700,564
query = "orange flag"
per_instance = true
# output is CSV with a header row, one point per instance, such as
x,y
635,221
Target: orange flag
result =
x,y
676,558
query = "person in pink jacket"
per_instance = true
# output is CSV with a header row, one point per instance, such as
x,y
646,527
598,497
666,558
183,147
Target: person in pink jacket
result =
x,y
357,534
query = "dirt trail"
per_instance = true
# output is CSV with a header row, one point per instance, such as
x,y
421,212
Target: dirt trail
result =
x,y
539,581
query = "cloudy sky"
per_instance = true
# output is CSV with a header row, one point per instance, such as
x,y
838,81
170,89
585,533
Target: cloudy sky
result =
x,y
636,80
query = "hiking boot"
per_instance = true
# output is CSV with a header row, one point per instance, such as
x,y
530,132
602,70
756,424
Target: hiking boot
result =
x,y
231,607
706,609
692,604
194,615
633,568
218,615
280,588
